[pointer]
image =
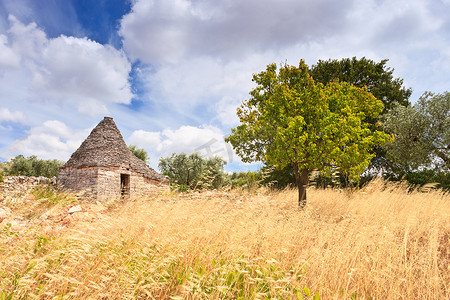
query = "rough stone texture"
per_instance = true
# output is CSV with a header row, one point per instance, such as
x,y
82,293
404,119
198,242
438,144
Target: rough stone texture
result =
x,y
95,168
81,180
19,185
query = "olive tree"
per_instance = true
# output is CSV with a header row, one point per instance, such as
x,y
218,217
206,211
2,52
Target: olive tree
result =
x,y
422,133
193,171
32,166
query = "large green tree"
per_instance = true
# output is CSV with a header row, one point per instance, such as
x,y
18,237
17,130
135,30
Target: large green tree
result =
x,y
422,133
193,171
377,77
292,120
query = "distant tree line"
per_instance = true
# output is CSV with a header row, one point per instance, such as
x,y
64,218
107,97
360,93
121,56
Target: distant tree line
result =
x,y
31,166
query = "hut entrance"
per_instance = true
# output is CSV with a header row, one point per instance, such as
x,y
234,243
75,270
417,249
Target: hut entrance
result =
x,y
124,185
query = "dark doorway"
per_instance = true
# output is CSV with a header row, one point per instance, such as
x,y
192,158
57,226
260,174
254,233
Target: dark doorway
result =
x,y
124,185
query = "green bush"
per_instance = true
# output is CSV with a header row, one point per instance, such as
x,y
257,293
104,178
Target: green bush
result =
x,y
249,180
32,166
418,179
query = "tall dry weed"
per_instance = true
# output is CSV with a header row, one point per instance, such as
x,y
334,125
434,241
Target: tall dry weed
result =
x,y
377,243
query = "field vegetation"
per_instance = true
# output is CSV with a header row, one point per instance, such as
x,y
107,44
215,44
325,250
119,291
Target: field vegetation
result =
x,y
380,242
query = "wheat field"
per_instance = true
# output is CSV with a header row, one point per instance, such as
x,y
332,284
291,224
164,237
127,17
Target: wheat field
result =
x,y
380,242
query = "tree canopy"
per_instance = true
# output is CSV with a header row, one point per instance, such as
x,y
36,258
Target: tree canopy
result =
x,y
376,76
292,120
363,72
193,171
139,152
32,166
422,133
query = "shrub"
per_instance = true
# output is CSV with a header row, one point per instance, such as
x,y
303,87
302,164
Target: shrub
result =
x,y
32,166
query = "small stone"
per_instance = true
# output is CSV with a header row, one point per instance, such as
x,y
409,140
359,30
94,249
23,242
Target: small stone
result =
x,y
74,209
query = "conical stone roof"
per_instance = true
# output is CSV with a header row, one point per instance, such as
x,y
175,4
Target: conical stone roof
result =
x,y
105,147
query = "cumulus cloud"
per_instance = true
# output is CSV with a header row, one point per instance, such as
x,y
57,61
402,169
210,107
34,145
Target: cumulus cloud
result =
x,y
207,140
224,29
205,84
8,58
146,139
51,140
204,52
11,116
67,69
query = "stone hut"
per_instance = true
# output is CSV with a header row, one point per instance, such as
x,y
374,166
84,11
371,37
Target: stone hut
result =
x,y
104,168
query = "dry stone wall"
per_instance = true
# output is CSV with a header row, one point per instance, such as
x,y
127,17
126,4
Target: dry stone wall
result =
x,y
19,185
104,183
141,186
108,186
82,180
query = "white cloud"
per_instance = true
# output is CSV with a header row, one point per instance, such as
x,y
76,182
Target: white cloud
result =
x,y
65,69
146,139
193,44
51,140
207,140
166,31
205,85
11,116
226,110
8,58
84,71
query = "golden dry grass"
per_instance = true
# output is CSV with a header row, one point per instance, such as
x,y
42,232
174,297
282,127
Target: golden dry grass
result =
x,y
376,243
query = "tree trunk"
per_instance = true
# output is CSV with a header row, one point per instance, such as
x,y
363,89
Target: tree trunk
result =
x,y
301,178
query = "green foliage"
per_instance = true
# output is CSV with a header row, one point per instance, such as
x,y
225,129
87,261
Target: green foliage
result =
x,y
248,180
422,177
32,166
379,80
193,171
422,133
376,76
279,178
292,120
139,152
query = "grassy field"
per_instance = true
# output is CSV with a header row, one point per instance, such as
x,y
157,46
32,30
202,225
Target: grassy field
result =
x,y
377,243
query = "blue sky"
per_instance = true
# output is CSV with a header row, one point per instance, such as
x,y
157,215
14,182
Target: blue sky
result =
x,y
172,72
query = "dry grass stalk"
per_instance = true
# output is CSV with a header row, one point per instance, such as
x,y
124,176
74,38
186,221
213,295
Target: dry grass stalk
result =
x,y
377,243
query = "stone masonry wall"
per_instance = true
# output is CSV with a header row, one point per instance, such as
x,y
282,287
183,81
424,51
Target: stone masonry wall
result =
x,y
103,183
141,186
108,183
82,180
18,185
